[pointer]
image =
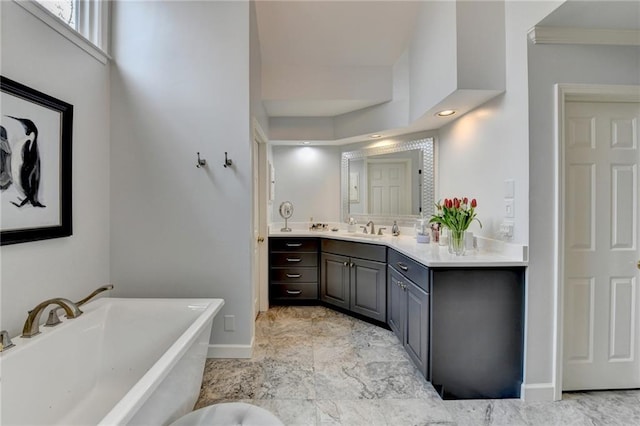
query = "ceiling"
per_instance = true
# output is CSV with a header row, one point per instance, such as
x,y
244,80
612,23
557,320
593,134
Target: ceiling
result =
x,y
614,15
314,52
324,58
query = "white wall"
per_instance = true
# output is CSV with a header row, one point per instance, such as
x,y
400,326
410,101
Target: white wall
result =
x,y
309,177
180,84
490,144
433,40
255,74
548,65
35,55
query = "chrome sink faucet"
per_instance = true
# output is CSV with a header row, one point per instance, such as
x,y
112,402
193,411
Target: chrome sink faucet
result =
x,y
53,318
32,324
373,229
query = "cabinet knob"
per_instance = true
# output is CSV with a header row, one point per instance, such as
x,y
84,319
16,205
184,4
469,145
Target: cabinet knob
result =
x,y
345,263
351,265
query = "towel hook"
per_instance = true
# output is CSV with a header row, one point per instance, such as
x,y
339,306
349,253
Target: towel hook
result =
x,y
227,161
201,162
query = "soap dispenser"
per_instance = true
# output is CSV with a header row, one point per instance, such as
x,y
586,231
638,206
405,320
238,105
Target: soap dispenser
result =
x,y
395,231
351,227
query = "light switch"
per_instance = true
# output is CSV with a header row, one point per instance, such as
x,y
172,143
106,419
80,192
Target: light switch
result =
x,y
509,188
508,208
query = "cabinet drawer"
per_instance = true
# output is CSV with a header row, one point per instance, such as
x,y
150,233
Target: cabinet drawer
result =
x,y
408,267
294,259
293,244
293,291
366,251
290,275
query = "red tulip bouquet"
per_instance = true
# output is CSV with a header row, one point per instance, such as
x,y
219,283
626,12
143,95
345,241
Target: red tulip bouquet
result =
x,y
456,214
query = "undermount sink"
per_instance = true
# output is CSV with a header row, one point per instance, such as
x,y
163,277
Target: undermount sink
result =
x,y
370,236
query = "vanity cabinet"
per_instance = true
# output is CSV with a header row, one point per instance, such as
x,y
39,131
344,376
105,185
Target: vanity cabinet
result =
x,y
477,332
408,307
293,270
353,277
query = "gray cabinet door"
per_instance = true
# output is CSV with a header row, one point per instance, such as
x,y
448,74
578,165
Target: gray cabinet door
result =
x,y
395,303
368,292
334,282
417,325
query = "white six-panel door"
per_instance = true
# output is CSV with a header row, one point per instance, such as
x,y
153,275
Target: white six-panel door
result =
x,y
601,236
389,188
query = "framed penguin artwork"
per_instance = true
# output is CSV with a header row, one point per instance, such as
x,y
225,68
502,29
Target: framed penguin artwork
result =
x,y
35,164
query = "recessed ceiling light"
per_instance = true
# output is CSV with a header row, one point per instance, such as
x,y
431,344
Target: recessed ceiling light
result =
x,y
445,113
306,143
376,136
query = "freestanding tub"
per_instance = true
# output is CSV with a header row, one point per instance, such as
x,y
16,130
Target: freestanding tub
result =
x,y
124,361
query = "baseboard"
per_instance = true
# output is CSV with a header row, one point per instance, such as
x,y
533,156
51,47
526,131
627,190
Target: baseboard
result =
x,y
230,351
534,392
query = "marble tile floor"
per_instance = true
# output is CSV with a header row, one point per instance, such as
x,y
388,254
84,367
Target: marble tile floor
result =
x,y
315,366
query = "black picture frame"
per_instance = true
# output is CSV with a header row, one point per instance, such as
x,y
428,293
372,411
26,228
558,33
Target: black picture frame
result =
x,y
21,186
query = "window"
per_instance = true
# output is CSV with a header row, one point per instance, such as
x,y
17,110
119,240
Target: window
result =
x,y
63,9
84,22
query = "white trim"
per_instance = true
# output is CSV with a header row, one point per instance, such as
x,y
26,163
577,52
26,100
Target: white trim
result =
x,y
564,93
230,351
591,36
264,183
66,31
536,392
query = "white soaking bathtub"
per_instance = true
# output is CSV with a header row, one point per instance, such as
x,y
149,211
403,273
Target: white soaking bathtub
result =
x,y
124,361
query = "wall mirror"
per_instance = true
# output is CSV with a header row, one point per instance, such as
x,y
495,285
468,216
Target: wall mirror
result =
x,y
392,182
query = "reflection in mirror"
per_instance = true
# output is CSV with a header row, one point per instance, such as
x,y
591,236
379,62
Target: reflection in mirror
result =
x,y
390,182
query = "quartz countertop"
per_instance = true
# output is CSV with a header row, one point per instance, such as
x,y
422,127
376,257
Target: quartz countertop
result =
x,y
490,253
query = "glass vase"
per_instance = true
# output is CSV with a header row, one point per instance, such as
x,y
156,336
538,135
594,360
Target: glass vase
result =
x,y
456,242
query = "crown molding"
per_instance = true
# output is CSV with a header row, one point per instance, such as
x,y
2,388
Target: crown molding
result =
x,y
561,35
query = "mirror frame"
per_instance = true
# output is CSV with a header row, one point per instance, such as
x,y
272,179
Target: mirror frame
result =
x,y
428,177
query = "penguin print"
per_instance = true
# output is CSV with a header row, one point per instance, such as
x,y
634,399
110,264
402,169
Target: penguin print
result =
x,y
25,168
5,160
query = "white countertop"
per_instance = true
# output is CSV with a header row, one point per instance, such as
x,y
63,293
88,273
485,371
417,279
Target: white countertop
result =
x,y
490,253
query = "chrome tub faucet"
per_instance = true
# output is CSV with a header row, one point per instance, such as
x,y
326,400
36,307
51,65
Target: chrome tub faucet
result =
x,y
32,324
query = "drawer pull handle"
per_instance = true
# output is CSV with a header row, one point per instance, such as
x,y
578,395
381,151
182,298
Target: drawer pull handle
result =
x,y
294,275
293,259
402,266
294,244
296,292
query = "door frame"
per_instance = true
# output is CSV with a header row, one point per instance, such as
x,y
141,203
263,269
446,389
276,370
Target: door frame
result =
x,y
568,93
259,137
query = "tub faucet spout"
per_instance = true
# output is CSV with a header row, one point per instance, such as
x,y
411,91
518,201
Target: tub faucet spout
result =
x,y
32,324
54,319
